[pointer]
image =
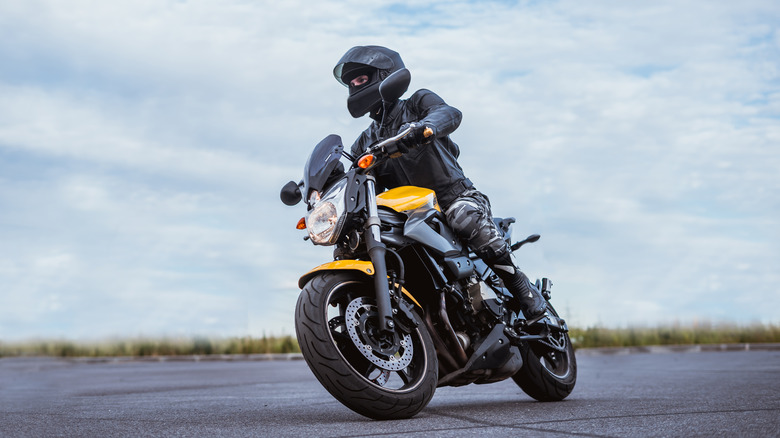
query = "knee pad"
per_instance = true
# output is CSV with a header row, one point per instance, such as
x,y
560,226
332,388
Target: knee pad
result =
x,y
464,216
471,221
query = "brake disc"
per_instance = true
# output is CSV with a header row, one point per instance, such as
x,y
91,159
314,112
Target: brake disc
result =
x,y
358,314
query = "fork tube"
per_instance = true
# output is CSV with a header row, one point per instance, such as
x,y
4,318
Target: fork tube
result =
x,y
376,250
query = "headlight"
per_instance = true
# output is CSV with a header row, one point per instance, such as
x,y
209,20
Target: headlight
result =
x,y
327,217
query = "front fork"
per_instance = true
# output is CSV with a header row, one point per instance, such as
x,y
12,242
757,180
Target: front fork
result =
x,y
376,251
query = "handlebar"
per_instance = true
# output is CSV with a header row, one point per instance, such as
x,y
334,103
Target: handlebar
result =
x,y
366,160
427,132
381,145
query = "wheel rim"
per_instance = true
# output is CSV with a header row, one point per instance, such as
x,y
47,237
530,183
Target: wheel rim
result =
x,y
556,361
397,363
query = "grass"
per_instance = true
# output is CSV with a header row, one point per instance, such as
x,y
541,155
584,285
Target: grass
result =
x,y
144,347
676,334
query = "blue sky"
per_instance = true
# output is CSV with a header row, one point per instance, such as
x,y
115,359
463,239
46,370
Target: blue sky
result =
x,y
143,145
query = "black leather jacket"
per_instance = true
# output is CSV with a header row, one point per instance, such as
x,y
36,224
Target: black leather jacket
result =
x,y
433,165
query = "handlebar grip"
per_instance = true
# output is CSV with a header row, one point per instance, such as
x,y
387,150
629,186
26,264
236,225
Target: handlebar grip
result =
x,y
427,132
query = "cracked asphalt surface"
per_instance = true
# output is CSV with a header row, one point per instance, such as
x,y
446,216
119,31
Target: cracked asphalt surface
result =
x,y
674,394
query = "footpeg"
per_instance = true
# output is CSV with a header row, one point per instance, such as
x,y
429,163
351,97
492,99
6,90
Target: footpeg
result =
x,y
559,324
528,322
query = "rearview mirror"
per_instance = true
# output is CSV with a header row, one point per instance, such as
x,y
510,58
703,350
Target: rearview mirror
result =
x,y
291,193
530,239
395,85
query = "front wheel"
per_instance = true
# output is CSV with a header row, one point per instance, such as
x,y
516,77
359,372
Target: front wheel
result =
x,y
549,368
381,376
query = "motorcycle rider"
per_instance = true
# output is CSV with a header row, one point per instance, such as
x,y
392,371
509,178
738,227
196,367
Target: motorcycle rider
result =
x,y
429,162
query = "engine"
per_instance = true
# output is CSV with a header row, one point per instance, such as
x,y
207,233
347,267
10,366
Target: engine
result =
x,y
479,309
485,303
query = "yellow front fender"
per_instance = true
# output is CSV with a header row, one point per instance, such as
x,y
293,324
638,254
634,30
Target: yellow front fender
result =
x,y
366,268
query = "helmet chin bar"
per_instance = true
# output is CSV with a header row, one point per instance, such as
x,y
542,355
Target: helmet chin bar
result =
x,y
364,99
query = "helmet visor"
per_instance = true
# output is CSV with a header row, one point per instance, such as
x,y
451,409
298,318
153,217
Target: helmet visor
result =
x,y
367,56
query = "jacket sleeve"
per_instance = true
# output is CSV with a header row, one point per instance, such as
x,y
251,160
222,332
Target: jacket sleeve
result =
x,y
436,114
360,145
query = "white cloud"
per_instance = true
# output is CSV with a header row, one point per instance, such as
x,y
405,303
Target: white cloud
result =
x,y
142,146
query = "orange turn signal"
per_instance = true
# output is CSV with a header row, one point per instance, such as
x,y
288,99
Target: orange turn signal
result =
x,y
301,224
366,161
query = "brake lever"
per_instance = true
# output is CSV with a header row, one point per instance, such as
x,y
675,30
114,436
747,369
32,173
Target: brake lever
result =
x,y
381,145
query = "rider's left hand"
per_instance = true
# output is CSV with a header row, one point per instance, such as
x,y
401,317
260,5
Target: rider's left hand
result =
x,y
395,150
415,137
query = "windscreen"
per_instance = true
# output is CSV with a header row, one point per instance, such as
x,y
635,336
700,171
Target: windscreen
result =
x,y
323,160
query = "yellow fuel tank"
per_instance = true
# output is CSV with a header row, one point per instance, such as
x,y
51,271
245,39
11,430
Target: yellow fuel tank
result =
x,y
407,198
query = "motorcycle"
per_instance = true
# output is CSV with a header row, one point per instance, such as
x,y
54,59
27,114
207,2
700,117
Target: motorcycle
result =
x,y
405,307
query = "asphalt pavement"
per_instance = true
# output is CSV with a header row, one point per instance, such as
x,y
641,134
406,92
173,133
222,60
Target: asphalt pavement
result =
x,y
731,393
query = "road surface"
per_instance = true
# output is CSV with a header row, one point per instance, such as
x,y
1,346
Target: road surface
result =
x,y
676,394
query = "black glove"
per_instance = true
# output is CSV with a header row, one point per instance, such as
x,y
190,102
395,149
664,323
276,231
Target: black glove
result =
x,y
415,137
395,150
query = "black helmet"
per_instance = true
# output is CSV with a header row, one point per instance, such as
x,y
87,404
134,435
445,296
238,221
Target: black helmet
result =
x,y
374,61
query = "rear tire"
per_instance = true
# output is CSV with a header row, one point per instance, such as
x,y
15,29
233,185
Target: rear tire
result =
x,y
372,375
547,374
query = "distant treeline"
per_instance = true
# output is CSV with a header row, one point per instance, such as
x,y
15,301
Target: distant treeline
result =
x,y
676,334
152,347
703,333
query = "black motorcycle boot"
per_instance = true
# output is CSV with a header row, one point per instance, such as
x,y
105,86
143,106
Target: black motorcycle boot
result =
x,y
525,296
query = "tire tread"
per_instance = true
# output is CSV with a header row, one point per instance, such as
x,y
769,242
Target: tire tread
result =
x,y
339,378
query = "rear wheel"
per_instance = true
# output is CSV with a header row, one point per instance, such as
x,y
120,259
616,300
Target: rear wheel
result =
x,y
377,375
549,368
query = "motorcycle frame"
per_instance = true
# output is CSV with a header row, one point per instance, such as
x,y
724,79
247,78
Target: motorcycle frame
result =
x,y
446,260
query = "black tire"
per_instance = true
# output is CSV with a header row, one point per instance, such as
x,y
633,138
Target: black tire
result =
x,y
548,375
343,360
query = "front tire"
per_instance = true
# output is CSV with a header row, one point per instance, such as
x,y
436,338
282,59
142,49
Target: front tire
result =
x,y
377,376
548,374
